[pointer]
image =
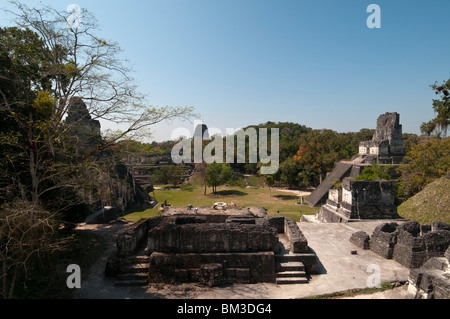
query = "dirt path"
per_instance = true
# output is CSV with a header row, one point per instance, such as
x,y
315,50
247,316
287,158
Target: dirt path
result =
x,y
94,284
296,192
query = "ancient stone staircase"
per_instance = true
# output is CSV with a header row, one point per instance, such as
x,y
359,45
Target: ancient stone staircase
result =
x,y
288,266
340,170
133,271
290,272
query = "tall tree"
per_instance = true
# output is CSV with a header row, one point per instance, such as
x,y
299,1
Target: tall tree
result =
x,y
217,174
424,163
441,108
270,181
45,66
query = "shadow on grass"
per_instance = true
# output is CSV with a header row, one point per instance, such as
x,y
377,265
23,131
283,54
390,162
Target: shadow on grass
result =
x,y
286,197
231,192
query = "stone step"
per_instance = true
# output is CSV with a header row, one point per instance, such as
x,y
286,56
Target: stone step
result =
x,y
286,274
135,260
134,268
292,280
133,276
340,170
135,282
286,258
290,266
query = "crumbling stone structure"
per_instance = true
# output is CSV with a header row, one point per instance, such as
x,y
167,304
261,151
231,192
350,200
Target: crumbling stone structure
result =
x,y
84,131
414,246
117,189
360,200
212,238
360,239
432,280
386,147
387,142
383,240
299,244
232,246
410,244
410,247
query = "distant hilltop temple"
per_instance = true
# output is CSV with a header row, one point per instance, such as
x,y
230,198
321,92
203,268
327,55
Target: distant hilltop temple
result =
x,y
118,189
387,142
85,132
201,131
386,148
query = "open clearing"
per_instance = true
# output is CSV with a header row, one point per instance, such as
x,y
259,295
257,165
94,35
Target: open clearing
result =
x,y
340,270
282,201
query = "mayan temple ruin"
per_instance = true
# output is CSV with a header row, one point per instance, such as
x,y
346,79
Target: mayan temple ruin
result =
x,y
224,158
119,190
221,245
385,148
213,247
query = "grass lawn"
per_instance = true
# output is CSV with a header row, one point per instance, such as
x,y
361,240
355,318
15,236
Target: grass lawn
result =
x,y
283,202
431,204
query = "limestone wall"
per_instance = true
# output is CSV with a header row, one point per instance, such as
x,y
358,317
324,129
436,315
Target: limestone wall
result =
x,y
235,267
368,199
431,281
128,241
212,238
298,241
410,244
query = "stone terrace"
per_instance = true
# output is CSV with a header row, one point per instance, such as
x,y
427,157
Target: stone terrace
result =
x,y
213,246
338,270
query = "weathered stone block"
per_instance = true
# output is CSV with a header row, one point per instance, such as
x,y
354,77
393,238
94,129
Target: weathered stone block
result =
x,y
409,235
410,248
182,220
277,222
329,214
203,238
409,258
431,281
383,239
236,267
298,241
436,243
437,225
425,229
133,236
211,274
360,239
368,199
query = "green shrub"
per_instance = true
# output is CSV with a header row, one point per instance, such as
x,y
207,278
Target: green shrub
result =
x,y
375,171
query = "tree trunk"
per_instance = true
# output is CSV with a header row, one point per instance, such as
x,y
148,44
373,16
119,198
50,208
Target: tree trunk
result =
x,y
204,183
13,282
34,178
4,277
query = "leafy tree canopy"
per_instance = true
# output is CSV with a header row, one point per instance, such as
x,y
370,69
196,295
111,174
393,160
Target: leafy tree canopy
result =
x,y
425,162
217,174
441,108
374,172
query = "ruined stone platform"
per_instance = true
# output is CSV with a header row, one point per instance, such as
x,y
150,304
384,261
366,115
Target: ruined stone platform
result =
x,y
250,212
217,246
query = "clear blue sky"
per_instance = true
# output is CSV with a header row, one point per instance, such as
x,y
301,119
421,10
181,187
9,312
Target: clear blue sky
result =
x,y
313,62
